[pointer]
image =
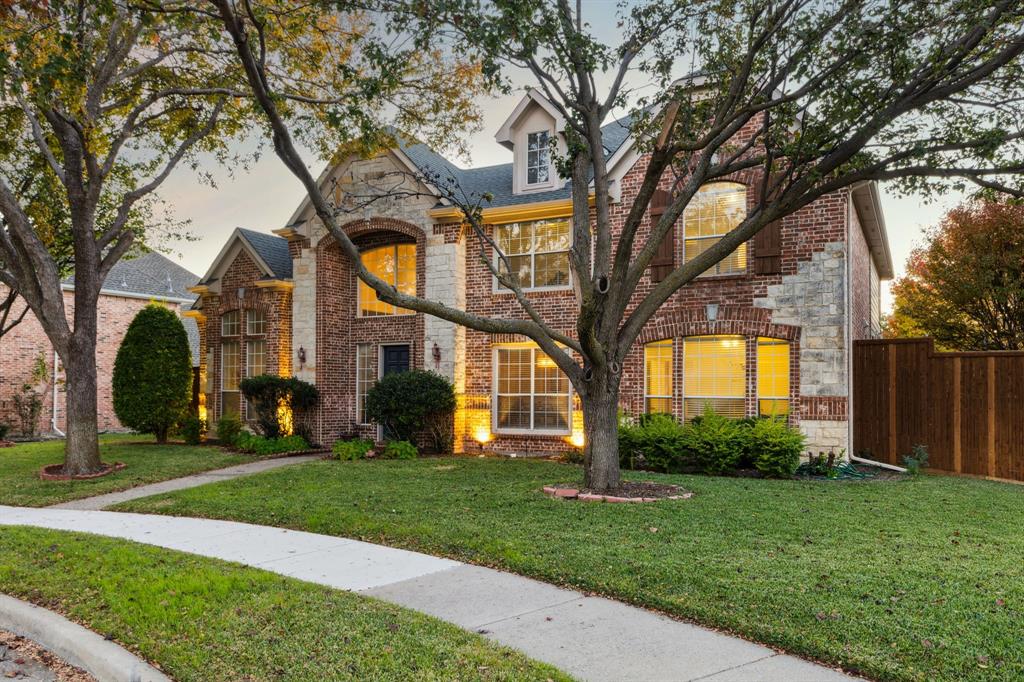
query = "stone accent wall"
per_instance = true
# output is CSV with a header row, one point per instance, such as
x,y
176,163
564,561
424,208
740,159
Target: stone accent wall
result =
x,y
20,348
304,312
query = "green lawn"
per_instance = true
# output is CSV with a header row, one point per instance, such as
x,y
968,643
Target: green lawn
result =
x,y
203,619
911,580
147,463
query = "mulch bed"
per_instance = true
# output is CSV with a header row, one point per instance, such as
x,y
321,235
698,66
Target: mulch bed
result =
x,y
7,443
627,491
55,472
23,659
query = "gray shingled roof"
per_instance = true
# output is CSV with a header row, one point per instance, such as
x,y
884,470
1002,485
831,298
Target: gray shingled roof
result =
x,y
149,274
498,179
153,275
272,249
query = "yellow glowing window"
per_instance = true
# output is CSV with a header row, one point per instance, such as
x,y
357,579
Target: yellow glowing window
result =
x,y
531,393
396,265
658,377
538,252
715,210
714,374
772,377
366,377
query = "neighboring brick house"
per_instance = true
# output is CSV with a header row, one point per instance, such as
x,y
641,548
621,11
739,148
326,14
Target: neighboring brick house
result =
x,y
131,285
767,331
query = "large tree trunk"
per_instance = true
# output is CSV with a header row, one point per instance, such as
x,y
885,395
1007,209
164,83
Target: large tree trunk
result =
x,y
82,450
600,402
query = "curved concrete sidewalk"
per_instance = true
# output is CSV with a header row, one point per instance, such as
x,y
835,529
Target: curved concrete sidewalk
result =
x,y
589,637
98,502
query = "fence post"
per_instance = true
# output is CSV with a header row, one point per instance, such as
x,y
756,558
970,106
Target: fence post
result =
x,y
957,444
991,385
890,353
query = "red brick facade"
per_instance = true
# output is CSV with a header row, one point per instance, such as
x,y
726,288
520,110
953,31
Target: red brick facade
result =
x,y
815,302
20,349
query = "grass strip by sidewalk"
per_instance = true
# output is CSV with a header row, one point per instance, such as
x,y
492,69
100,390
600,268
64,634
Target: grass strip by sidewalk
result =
x,y
910,580
208,620
147,462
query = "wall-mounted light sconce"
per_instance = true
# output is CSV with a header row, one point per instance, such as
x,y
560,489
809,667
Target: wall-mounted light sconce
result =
x,y
302,356
711,311
437,356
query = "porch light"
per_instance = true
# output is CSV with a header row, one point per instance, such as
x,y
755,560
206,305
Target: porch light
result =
x,y
711,311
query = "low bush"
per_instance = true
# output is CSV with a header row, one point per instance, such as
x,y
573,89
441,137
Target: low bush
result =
x,y
229,427
717,443
775,447
348,450
654,442
259,445
407,402
192,429
400,449
268,393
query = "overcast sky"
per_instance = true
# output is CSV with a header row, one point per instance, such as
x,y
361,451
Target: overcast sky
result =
x,y
265,197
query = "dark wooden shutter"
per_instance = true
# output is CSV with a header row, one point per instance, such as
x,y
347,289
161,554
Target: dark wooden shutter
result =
x,y
664,261
768,249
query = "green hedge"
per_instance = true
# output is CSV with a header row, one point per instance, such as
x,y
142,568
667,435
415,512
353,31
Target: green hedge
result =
x,y
711,443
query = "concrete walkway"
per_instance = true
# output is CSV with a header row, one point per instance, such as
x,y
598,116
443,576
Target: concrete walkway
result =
x,y
588,637
102,501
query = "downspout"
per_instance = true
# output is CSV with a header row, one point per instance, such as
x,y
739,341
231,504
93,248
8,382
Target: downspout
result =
x,y
53,404
848,314
882,465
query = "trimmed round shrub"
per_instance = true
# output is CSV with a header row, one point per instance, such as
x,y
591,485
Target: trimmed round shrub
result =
x,y
153,373
405,403
268,392
776,447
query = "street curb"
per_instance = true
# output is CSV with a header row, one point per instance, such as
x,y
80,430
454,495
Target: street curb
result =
x,y
103,659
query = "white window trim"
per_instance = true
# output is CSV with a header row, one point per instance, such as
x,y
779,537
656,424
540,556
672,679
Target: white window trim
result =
x,y
357,387
237,334
496,287
236,340
546,184
360,283
647,395
494,397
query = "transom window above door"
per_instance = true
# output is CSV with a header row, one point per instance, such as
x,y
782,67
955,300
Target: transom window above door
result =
x,y
538,252
538,157
713,212
396,265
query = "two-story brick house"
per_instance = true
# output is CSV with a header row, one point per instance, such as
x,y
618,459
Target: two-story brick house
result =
x,y
767,331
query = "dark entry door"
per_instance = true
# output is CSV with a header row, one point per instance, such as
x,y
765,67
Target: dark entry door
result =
x,y
395,359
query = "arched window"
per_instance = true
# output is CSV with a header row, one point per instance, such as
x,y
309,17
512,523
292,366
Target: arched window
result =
x,y
714,211
396,265
714,374
658,377
772,377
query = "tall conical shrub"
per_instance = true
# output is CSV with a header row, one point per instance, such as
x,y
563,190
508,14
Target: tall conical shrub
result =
x,y
153,373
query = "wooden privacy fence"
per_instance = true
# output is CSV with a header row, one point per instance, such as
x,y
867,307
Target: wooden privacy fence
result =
x,y
966,408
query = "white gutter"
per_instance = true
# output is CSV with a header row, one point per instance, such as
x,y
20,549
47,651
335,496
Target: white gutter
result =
x,y
53,405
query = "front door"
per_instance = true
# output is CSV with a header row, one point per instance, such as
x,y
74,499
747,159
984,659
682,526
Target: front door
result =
x,y
394,359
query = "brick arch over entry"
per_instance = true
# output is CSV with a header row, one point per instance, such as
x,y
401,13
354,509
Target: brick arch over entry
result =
x,y
735,320
364,227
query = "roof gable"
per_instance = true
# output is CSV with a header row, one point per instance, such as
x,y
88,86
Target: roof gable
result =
x,y
269,253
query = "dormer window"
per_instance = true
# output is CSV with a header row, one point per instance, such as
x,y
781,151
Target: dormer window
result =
x,y
538,158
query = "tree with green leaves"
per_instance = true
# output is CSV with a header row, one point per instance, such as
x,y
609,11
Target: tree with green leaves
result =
x,y
812,98
152,382
964,286
108,98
